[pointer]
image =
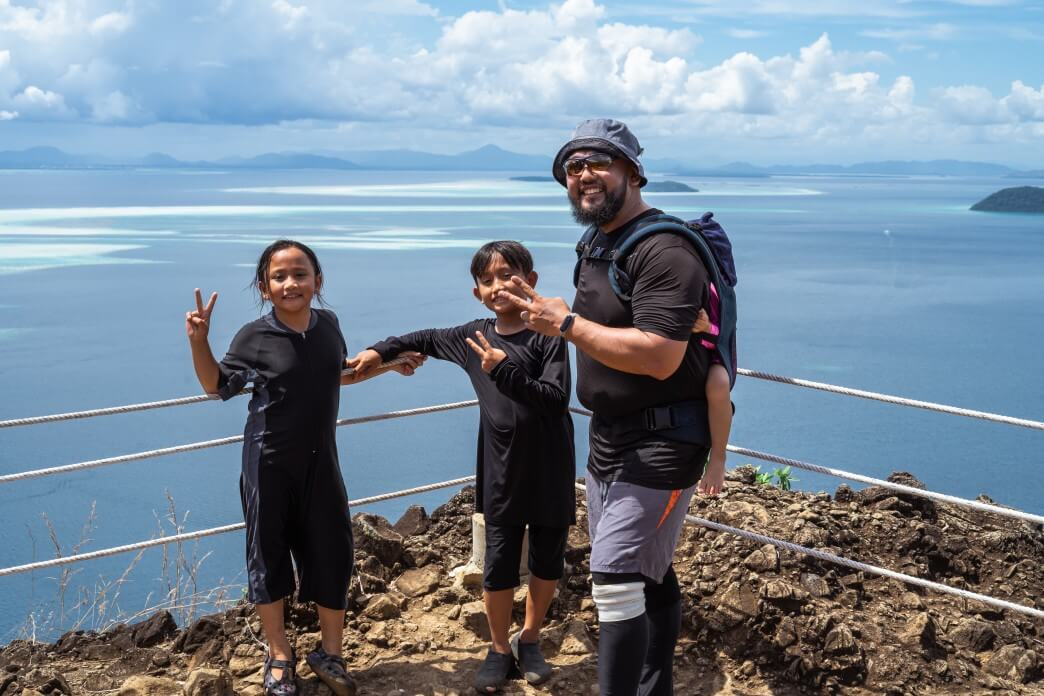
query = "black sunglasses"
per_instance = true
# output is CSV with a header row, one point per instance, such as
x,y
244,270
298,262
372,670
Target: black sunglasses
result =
x,y
598,162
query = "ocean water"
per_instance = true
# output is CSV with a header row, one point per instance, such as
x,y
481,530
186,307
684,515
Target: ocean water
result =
x,y
885,284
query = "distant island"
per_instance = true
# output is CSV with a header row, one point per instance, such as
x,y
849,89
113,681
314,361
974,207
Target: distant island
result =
x,y
652,186
668,187
488,158
1019,199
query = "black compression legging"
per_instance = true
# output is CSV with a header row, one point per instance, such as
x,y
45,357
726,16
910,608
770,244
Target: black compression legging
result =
x,y
636,656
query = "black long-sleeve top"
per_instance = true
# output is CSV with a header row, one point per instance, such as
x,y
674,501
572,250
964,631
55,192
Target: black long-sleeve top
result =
x,y
526,462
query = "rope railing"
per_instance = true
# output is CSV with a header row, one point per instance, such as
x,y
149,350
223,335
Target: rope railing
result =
x,y
909,490
189,536
146,406
875,396
205,444
898,487
857,565
897,400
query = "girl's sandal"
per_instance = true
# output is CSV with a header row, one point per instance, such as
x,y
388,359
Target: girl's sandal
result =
x,y
332,671
286,685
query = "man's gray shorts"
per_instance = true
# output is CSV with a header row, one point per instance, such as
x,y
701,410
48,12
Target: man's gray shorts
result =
x,y
634,529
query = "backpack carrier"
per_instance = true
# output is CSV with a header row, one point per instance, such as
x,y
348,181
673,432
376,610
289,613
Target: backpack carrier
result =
x,y
715,250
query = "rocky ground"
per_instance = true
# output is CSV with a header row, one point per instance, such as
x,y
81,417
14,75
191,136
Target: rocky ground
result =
x,y
756,621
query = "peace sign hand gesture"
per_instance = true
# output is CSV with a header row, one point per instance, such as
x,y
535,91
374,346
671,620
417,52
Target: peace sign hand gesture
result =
x,y
197,322
491,357
541,314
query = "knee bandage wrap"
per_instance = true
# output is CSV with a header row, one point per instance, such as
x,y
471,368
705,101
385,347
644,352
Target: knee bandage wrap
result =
x,y
619,602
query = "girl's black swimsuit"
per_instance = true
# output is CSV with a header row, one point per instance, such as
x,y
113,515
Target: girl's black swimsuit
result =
x,y
294,499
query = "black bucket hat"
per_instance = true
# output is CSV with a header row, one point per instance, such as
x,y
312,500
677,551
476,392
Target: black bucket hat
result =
x,y
604,135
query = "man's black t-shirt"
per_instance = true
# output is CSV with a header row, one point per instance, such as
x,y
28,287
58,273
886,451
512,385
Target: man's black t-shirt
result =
x,y
670,284
526,463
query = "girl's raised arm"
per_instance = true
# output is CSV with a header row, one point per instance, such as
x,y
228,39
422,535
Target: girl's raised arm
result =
x,y
197,327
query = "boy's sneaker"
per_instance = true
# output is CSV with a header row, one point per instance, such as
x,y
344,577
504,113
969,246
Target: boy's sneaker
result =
x,y
494,672
331,670
531,662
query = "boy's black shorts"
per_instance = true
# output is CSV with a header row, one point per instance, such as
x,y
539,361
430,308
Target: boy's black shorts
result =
x,y
504,554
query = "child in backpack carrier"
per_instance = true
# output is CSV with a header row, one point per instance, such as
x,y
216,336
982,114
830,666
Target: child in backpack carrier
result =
x,y
719,394
709,323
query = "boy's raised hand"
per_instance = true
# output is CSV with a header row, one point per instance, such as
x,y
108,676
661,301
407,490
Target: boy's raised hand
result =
x,y
491,357
197,322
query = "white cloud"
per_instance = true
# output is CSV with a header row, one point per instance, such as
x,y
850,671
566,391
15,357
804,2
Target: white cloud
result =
x,y
619,39
970,104
115,107
934,32
1024,102
8,77
399,7
291,14
8,115
324,62
111,23
42,104
737,33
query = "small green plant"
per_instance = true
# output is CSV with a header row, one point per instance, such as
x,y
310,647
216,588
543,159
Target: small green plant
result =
x,y
781,476
762,478
784,478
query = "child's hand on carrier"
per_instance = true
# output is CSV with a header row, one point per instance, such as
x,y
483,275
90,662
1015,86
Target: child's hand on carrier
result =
x,y
491,357
713,480
702,324
197,323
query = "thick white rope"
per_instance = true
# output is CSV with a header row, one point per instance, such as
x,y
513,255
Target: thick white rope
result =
x,y
72,415
130,408
188,536
148,454
942,408
857,565
887,398
910,490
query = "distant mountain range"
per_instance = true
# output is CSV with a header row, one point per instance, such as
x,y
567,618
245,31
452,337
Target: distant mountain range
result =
x,y
487,158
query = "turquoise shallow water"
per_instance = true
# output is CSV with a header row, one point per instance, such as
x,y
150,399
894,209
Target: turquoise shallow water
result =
x,y
890,285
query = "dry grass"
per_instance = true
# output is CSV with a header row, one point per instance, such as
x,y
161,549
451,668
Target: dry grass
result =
x,y
97,606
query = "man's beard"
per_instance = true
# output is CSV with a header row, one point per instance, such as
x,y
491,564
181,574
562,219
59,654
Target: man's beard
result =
x,y
612,204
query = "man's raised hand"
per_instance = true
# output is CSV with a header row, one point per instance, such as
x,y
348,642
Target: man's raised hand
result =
x,y
541,314
491,357
197,322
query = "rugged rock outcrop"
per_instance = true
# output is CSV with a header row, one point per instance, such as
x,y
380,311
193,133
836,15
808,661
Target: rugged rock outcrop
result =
x,y
757,620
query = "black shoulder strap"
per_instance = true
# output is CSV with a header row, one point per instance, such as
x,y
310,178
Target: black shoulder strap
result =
x,y
618,278
583,249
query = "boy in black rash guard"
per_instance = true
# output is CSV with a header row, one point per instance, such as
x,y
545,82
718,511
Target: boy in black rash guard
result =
x,y
526,464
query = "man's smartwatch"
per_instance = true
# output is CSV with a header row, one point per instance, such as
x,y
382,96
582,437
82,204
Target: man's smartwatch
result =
x,y
566,323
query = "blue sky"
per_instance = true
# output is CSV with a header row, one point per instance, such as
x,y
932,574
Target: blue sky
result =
x,y
766,81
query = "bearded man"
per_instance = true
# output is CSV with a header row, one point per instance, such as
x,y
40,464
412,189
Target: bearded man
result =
x,y
642,373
